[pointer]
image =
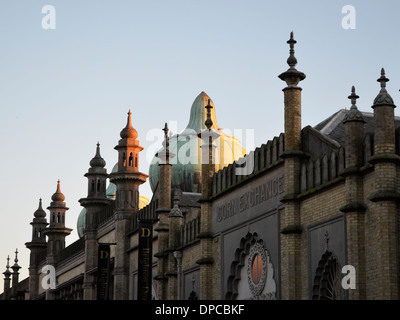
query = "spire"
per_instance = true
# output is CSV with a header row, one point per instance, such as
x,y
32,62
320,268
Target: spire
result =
x,y
383,98
58,196
354,114
176,211
165,154
97,161
129,131
40,213
292,76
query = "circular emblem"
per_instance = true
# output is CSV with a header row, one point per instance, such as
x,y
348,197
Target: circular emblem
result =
x,y
257,269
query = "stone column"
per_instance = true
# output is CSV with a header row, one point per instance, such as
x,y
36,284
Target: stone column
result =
x,y
384,242
290,239
354,209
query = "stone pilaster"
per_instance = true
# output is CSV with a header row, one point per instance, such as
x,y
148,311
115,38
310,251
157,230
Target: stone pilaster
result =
x,y
386,196
290,238
354,209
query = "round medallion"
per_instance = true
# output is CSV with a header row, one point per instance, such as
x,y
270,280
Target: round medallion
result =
x,y
257,268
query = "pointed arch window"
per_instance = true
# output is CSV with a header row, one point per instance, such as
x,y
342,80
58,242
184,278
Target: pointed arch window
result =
x,y
136,161
58,217
124,160
98,185
131,160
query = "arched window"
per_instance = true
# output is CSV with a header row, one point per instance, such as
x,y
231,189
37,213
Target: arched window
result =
x,y
92,185
131,160
54,217
58,218
40,232
124,160
136,161
98,185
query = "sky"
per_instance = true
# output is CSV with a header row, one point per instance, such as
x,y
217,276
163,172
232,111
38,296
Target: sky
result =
x,y
64,88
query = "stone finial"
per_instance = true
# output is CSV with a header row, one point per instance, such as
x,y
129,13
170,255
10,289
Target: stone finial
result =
x,y
40,213
353,114
383,98
16,267
208,121
7,273
292,76
165,155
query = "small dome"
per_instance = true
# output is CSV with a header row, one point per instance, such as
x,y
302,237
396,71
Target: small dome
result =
x,y
40,213
58,196
129,131
98,161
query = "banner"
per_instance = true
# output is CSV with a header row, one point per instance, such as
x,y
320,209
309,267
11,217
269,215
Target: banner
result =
x,y
103,267
145,259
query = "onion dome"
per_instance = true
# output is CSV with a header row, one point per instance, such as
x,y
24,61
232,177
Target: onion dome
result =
x,y
129,131
98,161
354,114
186,165
40,213
383,98
58,195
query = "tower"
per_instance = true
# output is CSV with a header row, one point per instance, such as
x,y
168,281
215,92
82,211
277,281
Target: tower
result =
x,y
127,180
93,203
354,209
206,260
382,242
56,231
290,217
7,280
162,212
37,245
15,276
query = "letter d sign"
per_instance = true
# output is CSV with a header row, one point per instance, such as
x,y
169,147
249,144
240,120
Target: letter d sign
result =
x,y
145,232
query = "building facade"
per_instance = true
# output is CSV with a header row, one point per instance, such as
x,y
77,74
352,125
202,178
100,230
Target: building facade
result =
x,y
288,220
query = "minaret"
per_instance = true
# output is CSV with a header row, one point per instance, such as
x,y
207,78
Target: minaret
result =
x,y
127,180
383,243
164,207
354,209
93,203
56,231
7,280
37,245
206,260
290,217
15,276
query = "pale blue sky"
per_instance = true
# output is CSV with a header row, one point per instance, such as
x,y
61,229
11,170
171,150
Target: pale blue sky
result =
x,y
63,90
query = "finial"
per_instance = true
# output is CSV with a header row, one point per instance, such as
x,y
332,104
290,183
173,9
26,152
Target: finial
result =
x,y
291,61
383,98
208,122
166,139
8,262
292,76
383,78
353,98
7,273
16,255
326,236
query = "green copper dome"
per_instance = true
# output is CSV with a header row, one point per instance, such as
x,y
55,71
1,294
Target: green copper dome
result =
x,y
186,164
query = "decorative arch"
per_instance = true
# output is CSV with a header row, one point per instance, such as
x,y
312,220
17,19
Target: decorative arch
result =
x,y
328,279
252,249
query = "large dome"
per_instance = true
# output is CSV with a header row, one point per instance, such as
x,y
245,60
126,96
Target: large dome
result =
x,y
186,165
110,193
